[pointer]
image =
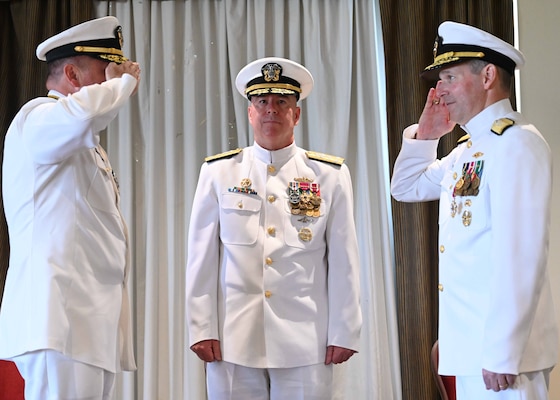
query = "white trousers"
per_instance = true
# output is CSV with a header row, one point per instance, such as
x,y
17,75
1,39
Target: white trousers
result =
x,y
527,386
49,375
226,381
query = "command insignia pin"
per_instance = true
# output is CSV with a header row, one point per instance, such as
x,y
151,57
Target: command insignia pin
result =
x,y
305,234
244,187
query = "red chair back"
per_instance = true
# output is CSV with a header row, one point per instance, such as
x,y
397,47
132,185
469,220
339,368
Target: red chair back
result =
x,y
445,384
11,381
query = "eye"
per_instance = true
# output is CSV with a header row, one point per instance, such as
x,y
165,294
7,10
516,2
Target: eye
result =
x,y
446,78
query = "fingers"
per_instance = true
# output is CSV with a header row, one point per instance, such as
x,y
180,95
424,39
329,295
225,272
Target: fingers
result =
x,y
510,379
114,70
498,382
431,99
434,122
328,357
132,68
502,385
506,381
208,350
217,350
337,355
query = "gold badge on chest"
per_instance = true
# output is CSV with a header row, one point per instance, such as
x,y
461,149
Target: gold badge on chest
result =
x,y
305,234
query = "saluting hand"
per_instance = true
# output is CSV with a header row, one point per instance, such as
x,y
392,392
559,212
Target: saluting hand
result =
x,y
115,70
434,121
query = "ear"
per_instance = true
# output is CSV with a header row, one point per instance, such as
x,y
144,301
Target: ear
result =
x,y
250,111
489,75
297,113
72,75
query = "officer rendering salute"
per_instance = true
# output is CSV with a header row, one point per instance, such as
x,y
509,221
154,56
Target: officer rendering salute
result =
x,y
273,269
65,319
497,329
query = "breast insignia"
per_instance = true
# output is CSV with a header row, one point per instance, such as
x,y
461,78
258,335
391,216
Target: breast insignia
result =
x,y
313,155
500,125
225,154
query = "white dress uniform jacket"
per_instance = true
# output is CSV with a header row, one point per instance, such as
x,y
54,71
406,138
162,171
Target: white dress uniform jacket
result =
x,y
495,303
273,287
66,283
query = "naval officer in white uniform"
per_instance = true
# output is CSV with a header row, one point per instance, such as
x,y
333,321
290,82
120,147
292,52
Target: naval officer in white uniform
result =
x,y
65,319
272,271
497,329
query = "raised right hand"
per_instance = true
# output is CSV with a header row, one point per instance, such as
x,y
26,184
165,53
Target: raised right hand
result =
x,y
115,70
434,121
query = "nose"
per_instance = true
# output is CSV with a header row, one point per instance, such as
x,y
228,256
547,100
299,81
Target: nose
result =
x,y
271,108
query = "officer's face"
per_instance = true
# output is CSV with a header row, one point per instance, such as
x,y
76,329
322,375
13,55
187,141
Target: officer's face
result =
x,y
463,92
88,71
273,118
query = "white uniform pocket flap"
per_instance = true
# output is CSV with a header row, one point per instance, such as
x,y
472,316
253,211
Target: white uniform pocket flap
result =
x,y
241,202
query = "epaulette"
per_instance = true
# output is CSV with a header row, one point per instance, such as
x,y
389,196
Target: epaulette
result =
x,y
324,157
464,138
500,125
225,154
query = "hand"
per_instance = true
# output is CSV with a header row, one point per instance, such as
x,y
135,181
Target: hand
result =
x,y
434,121
497,382
115,70
337,355
208,350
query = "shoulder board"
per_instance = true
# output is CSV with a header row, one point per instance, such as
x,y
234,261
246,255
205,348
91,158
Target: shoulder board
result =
x,y
324,157
464,138
500,125
225,154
